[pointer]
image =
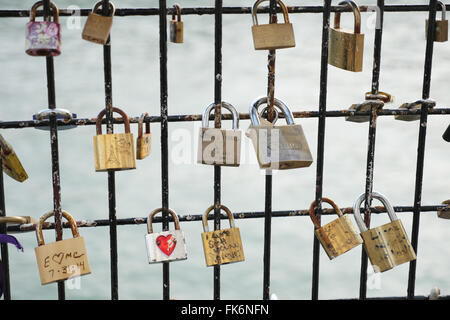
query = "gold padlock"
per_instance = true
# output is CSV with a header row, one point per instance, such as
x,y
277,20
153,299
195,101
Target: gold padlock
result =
x,y
10,162
176,26
441,33
273,35
144,140
337,236
221,246
346,48
98,27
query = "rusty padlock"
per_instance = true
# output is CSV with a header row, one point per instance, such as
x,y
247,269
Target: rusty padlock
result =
x,y
98,27
143,140
176,26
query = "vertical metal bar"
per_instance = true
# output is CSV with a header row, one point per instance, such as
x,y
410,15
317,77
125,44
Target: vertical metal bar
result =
x,y
421,145
321,142
4,246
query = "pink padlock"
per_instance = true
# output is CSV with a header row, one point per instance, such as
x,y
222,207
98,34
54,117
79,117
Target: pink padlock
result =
x,y
43,38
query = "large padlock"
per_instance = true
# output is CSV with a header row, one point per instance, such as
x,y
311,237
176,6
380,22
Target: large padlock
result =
x,y
63,259
441,26
217,146
114,151
337,236
10,162
346,47
43,38
388,245
446,135
221,246
278,147
176,26
273,35
165,246
98,27
143,140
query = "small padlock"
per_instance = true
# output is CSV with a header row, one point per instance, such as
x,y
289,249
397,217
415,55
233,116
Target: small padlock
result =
x,y
176,26
63,259
278,147
98,27
165,246
144,140
441,33
365,106
446,135
219,146
43,38
445,213
337,236
272,36
10,162
346,48
114,151
388,245
221,246
409,106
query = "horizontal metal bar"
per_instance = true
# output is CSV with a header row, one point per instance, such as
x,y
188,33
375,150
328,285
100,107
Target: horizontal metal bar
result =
x,y
401,298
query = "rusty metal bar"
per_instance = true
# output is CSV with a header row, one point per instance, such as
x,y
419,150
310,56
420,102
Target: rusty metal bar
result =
x,y
4,246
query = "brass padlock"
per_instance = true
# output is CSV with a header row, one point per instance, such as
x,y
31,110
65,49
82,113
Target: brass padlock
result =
x,y
98,27
346,48
273,35
445,213
218,146
388,245
441,26
176,26
114,151
337,236
63,259
144,140
10,162
221,246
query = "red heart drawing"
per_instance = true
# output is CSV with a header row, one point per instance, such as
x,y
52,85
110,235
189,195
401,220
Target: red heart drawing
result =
x,y
166,244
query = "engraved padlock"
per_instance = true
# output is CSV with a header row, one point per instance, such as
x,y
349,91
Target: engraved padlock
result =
x,y
388,245
216,146
165,246
43,38
10,162
346,47
63,259
441,26
176,26
273,35
144,139
98,27
114,151
337,236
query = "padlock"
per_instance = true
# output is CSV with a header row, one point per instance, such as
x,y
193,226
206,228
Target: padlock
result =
x,y
388,245
409,106
221,246
63,259
165,246
43,38
98,27
445,213
365,106
278,147
441,26
346,47
144,140
446,135
272,36
217,146
10,162
114,151
337,236
176,26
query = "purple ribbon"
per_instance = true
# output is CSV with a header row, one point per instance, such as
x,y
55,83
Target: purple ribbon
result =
x,y
6,238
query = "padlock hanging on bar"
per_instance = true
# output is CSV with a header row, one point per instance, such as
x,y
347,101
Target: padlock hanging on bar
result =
x,y
176,26
61,114
98,27
441,26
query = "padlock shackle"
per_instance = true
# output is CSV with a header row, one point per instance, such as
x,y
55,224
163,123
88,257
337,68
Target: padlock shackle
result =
x,y
222,207
41,3
356,13
17,220
254,115
65,214
178,12
141,125
126,120
280,3
226,105
111,6
444,10
380,95
313,216
375,195
152,214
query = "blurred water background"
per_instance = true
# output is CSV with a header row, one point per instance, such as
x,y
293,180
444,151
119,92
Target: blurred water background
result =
x,y
135,73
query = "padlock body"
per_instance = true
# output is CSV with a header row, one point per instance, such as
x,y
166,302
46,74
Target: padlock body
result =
x,y
43,38
360,119
222,246
388,246
408,117
346,49
97,28
13,167
338,236
166,246
114,152
219,147
176,31
62,260
441,34
143,146
273,36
